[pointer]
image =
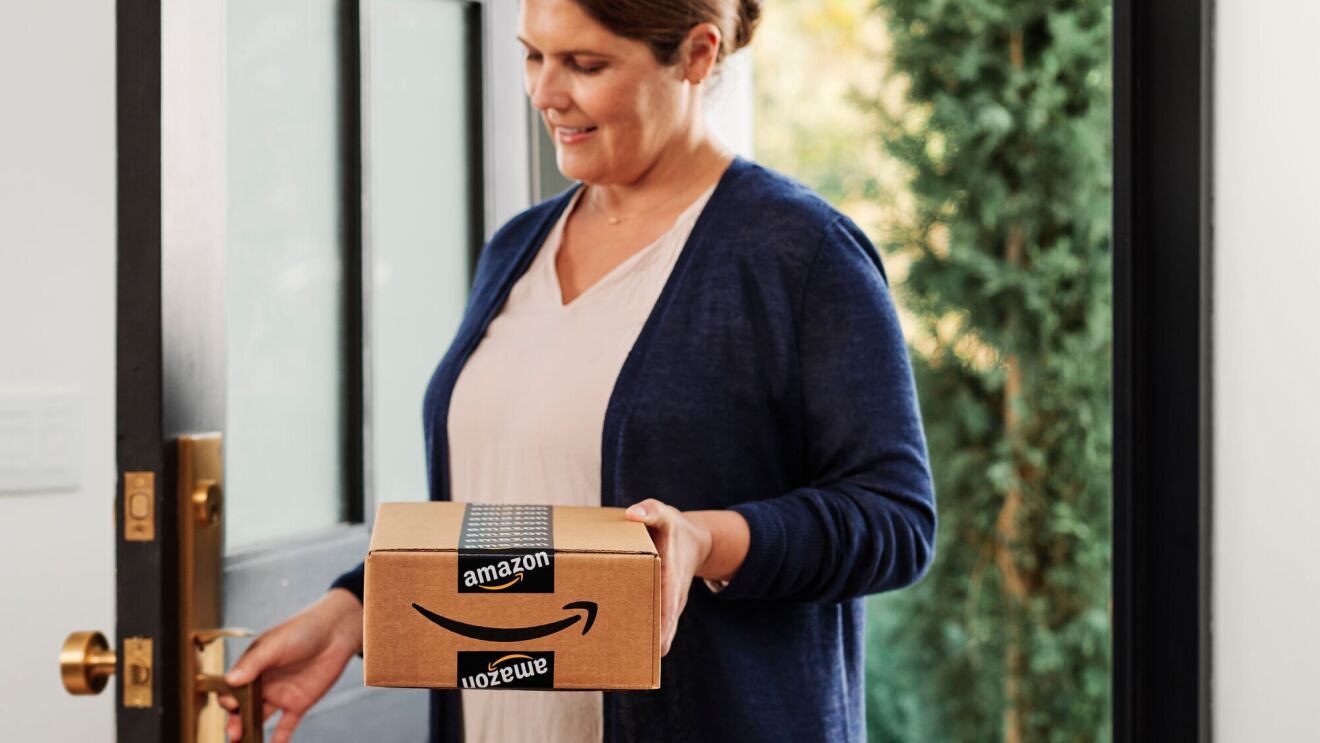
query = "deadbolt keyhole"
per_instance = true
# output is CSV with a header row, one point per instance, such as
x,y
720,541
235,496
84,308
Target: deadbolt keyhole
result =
x,y
207,502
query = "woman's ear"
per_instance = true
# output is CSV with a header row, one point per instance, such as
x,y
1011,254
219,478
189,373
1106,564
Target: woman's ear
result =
x,y
701,52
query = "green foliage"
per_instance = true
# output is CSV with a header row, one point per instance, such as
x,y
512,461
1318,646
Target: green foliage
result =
x,y
1003,130
953,131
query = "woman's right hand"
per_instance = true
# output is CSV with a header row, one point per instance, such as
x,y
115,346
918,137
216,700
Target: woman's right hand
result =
x,y
298,661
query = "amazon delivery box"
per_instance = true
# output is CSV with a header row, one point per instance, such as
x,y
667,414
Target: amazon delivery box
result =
x,y
486,596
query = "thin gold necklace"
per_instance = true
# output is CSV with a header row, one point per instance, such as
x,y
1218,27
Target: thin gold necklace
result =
x,y
615,219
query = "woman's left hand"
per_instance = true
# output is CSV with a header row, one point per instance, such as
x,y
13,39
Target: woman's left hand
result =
x,y
706,544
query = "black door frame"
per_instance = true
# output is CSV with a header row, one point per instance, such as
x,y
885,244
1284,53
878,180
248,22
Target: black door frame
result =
x,y
1161,374
145,570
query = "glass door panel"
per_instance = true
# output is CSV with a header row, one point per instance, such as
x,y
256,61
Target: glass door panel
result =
x,y
425,225
285,290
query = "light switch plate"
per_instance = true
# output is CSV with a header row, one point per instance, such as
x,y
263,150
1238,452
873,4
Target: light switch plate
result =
x,y
40,441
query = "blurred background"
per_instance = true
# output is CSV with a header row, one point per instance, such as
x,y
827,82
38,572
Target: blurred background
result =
x,y
971,141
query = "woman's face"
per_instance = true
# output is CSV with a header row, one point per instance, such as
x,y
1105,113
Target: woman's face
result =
x,y
608,105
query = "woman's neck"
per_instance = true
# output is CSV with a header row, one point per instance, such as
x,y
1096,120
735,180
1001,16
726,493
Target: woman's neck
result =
x,y
689,165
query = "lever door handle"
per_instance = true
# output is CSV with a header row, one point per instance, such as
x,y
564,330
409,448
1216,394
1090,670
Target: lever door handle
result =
x,y
249,701
248,695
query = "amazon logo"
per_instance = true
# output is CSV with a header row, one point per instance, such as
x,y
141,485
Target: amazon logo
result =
x,y
516,634
506,571
528,669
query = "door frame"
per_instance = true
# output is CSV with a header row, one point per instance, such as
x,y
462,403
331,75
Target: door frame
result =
x,y
163,256
1163,73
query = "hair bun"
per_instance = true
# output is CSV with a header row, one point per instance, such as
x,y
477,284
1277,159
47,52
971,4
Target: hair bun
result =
x,y
749,15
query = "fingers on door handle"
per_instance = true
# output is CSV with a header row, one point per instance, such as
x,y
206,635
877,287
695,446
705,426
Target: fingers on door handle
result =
x,y
249,702
248,695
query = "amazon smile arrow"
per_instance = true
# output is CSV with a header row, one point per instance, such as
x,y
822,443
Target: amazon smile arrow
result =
x,y
515,634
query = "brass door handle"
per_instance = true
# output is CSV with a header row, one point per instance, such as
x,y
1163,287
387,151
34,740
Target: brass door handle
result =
x,y
208,681
249,702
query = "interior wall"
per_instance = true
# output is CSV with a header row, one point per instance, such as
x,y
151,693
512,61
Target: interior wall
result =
x,y
1266,586
57,223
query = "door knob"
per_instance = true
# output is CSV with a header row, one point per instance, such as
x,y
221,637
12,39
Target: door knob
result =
x,y
86,663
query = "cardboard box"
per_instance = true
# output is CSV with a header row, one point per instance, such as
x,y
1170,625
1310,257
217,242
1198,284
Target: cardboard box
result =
x,y
511,597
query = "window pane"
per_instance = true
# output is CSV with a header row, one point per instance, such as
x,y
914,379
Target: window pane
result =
x,y
285,273
424,154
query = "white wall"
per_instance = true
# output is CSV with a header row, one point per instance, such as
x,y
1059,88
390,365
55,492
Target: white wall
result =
x,y
1266,613
57,156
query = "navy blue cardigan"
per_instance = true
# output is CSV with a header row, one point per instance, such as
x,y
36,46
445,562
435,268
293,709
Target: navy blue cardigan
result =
x,y
771,378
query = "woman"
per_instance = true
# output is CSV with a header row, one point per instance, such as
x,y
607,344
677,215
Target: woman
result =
x,y
696,337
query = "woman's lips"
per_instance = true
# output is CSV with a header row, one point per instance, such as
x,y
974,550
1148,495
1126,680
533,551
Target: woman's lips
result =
x,y
573,135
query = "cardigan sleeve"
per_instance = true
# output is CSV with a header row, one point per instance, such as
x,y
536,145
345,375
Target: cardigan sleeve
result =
x,y
866,521
353,581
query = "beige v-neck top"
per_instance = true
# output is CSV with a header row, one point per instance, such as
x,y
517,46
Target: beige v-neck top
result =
x,y
525,425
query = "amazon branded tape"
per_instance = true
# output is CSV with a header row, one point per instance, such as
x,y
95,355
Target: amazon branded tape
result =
x,y
486,596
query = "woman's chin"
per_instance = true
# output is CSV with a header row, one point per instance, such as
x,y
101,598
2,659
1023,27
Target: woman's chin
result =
x,y
582,166
577,168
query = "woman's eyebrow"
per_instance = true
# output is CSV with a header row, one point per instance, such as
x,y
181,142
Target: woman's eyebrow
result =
x,y
568,52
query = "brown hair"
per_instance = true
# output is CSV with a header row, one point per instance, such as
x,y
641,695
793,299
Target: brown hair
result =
x,y
663,24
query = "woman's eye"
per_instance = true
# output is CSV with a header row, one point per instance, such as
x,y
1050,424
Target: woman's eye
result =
x,y
587,69
571,63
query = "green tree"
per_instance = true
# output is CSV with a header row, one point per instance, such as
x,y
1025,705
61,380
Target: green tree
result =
x,y
1003,131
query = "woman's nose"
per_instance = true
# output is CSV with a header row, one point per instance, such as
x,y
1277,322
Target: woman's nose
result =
x,y
546,90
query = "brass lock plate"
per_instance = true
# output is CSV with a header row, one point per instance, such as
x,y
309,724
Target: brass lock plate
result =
x,y
139,506
137,672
